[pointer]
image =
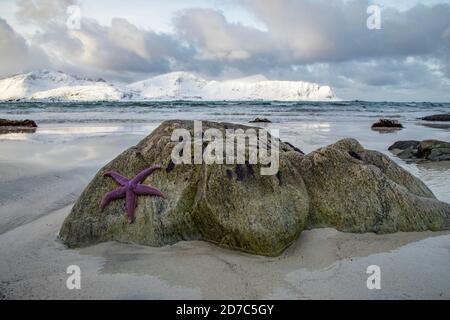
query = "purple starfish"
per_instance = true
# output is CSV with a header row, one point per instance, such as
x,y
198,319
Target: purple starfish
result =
x,y
130,189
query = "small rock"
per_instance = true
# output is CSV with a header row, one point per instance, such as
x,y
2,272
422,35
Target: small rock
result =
x,y
384,124
428,150
403,145
437,117
18,123
260,120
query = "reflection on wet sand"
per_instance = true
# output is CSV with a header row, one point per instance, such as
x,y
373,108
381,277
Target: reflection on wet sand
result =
x,y
443,126
385,130
7,130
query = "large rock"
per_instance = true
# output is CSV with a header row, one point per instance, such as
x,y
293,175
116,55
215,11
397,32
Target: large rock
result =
x,y
231,205
428,150
260,120
342,186
358,190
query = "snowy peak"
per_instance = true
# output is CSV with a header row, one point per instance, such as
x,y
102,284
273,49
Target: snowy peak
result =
x,y
268,90
51,85
174,85
56,85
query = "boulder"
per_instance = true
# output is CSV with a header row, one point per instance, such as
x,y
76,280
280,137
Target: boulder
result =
x,y
434,150
437,117
427,150
403,145
405,149
358,190
233,206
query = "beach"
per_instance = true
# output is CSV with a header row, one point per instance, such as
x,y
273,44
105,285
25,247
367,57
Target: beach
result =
x,y
42,175
322,264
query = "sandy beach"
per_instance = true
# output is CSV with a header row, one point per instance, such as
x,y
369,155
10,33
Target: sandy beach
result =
x,y
227,150
322,264
38,191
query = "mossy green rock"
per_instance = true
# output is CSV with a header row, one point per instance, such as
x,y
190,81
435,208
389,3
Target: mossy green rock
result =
x,y
358,190
342,186
233,206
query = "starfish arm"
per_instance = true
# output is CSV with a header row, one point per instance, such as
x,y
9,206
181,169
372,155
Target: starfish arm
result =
x,y
147,190
113,195
145,173
130,205
117,177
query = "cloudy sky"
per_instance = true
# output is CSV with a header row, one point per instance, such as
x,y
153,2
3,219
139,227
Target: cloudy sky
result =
x,y
325,41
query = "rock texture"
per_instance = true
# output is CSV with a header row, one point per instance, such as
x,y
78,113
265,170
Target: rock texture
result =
x,y
260,120
437,117
17,126
358,190
427,150
387,124
18,123
231,205
342,186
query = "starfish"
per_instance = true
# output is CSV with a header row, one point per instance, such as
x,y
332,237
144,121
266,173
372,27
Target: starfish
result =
x,y
130,189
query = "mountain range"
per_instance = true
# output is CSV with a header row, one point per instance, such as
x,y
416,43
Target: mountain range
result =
x,y
49,85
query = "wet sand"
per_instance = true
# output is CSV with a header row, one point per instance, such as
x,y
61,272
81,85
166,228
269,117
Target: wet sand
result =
x,y
323,263
39,187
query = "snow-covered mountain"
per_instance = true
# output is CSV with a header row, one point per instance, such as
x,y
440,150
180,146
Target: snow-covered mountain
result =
x,y
174,85
184,85
57,85
50,85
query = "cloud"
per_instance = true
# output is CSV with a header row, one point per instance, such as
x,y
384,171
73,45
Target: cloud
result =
x,y
120,50
16,55
214,38
323,41
302,32
329,42
42,12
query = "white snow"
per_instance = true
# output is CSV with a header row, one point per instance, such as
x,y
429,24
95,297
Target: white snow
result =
x,y
23,86
80,93
175,85
184,85
50,85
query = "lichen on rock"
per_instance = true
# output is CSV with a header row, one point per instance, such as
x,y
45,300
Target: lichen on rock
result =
x,y
357,190
232,205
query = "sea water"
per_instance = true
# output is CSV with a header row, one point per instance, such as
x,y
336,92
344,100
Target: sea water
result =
x,y
307,125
